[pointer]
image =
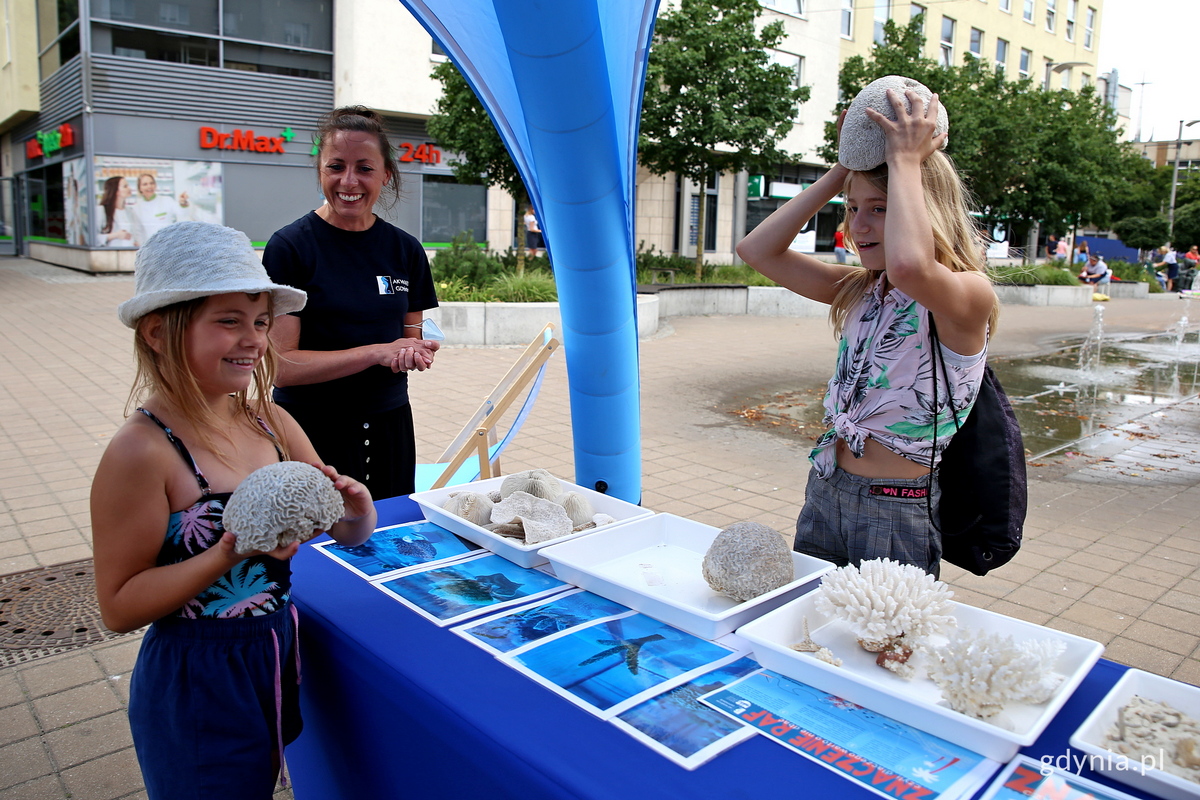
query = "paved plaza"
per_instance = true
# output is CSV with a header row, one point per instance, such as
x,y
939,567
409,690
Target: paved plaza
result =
x,y
1111,551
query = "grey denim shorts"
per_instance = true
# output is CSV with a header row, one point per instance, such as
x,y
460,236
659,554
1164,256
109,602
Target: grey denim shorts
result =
x,y
847,519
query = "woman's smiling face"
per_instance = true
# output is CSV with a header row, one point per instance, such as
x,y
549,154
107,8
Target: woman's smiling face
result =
x,y
352,176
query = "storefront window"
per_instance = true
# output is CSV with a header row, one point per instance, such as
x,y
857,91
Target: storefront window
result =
x,y
450,208
198,16
44,190
154,45
276,61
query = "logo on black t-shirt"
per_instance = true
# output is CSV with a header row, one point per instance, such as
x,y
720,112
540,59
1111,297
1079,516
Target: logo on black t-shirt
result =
x,y
390,285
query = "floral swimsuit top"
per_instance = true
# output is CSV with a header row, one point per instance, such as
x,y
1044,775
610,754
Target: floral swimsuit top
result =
x,y
256,586
883,383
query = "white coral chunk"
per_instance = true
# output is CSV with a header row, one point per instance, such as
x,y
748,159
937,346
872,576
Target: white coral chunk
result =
x,y
281,503
542,519
882,600
578,507
746,560
979,672
474,507
537,482
863,144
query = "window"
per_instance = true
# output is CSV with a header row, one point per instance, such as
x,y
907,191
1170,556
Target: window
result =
x,y
786,6
437,53
1026,58
1002,55
1027,13
1072,12
883,10
58,33
947,44
918,11
1065,83
1084,80
1006,6
1051,12
450,208
976,42
796,65
847,18
194,16
1089,27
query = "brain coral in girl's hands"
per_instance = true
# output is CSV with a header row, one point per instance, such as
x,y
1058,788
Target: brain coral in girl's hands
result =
x,y
281,503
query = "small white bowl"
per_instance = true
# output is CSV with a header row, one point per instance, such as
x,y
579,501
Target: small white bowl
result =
x,y
515,551
1090,736
654,565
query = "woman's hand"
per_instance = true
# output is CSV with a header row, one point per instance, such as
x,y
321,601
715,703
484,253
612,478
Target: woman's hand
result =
x,y
911,136
406,355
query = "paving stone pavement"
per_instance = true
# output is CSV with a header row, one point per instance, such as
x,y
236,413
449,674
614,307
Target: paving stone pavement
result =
x,y
1111,549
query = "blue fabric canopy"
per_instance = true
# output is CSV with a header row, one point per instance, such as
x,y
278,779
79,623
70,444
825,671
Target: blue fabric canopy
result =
x,y
562,80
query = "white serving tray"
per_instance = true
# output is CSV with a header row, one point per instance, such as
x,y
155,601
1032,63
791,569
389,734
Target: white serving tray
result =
x,y
1128,770
512,549
653,565
916,701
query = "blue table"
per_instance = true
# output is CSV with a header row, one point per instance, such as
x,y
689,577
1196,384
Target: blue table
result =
x,y
396,707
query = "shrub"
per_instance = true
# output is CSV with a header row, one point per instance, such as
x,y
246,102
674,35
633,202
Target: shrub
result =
x,y
458,290
509,261
646,261
535,286
1030,274
1134,272
466,261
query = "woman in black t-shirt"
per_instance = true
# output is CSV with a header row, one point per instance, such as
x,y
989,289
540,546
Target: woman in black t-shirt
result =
x,y
345,358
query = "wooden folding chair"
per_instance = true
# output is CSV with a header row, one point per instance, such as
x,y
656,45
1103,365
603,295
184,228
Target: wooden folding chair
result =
x,y
479,436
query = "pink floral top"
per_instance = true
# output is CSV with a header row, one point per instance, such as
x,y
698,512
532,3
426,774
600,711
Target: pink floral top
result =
x,y
883,385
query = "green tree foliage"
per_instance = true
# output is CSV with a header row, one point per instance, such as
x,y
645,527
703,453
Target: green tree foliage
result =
x,y
714,100
1144,233
1187,225
1028,154
461,125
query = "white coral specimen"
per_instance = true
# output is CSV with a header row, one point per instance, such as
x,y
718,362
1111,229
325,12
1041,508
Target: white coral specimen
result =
x,y
578,507
542,519
979,672
537,482
471,506
891,607
281,503
863,145
746,560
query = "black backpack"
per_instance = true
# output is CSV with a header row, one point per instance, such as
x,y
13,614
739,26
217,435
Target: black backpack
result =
x,y
984,490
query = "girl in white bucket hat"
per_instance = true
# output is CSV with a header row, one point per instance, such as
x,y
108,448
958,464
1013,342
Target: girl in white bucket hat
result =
x,y
221,649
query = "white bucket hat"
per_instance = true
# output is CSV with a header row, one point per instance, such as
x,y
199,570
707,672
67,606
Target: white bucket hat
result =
x,y
197,259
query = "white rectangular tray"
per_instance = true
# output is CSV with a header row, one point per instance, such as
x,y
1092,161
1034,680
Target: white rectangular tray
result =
x,y
653,565
1091,734
916,701
515,551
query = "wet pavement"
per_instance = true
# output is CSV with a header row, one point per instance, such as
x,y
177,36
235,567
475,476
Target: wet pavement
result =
x,y
1112,550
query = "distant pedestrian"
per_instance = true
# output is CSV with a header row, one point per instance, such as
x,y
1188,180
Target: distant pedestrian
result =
x,y
533,232
839,246
1168,261
1081,252
1051,247
1096,272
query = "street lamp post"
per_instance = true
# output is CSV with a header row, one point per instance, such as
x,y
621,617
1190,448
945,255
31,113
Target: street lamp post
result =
x,y
1175,180
1059,66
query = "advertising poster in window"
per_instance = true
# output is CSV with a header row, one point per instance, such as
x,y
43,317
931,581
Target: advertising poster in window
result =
x,y
137,197
75,211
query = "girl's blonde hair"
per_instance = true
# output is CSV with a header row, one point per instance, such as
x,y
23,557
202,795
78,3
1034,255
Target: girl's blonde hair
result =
x,y
958,241
169,374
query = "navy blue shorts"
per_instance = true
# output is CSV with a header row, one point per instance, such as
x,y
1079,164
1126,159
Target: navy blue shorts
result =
x,y
202,706
848,519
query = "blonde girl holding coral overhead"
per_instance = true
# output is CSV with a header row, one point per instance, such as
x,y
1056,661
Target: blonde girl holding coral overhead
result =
x,y
872,488
213,695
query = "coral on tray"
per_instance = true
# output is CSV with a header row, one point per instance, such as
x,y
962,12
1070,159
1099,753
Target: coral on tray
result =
x,y
891,608
1156,732
979,673
746,560
530,506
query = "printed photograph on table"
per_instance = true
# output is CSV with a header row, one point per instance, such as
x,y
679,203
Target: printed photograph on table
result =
x,y
451,593
507,631
677,725
871,750
398,547
1025,778
612,665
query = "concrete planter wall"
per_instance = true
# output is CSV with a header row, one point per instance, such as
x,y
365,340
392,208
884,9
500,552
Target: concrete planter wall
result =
x,y
1124,289
1043,295
518,323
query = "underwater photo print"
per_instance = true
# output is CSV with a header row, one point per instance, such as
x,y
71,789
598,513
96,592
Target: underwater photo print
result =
x,y
505,632
452,592
605,666
398,547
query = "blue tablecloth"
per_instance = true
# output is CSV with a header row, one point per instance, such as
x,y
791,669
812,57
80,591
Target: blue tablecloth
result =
x,y
396,707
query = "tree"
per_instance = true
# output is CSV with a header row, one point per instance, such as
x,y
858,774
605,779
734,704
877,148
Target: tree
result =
x,y
1144,233
461,125
1187,226
714,100
1028,154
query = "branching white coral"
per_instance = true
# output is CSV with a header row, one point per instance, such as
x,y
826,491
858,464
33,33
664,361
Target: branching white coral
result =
x,y
979,672
891,607
281,503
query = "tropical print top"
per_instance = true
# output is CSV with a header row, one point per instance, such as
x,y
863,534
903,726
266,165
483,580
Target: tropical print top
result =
x,y
883,385
255,586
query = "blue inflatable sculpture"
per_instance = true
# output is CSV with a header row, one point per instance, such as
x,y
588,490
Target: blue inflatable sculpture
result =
x,y
562,79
